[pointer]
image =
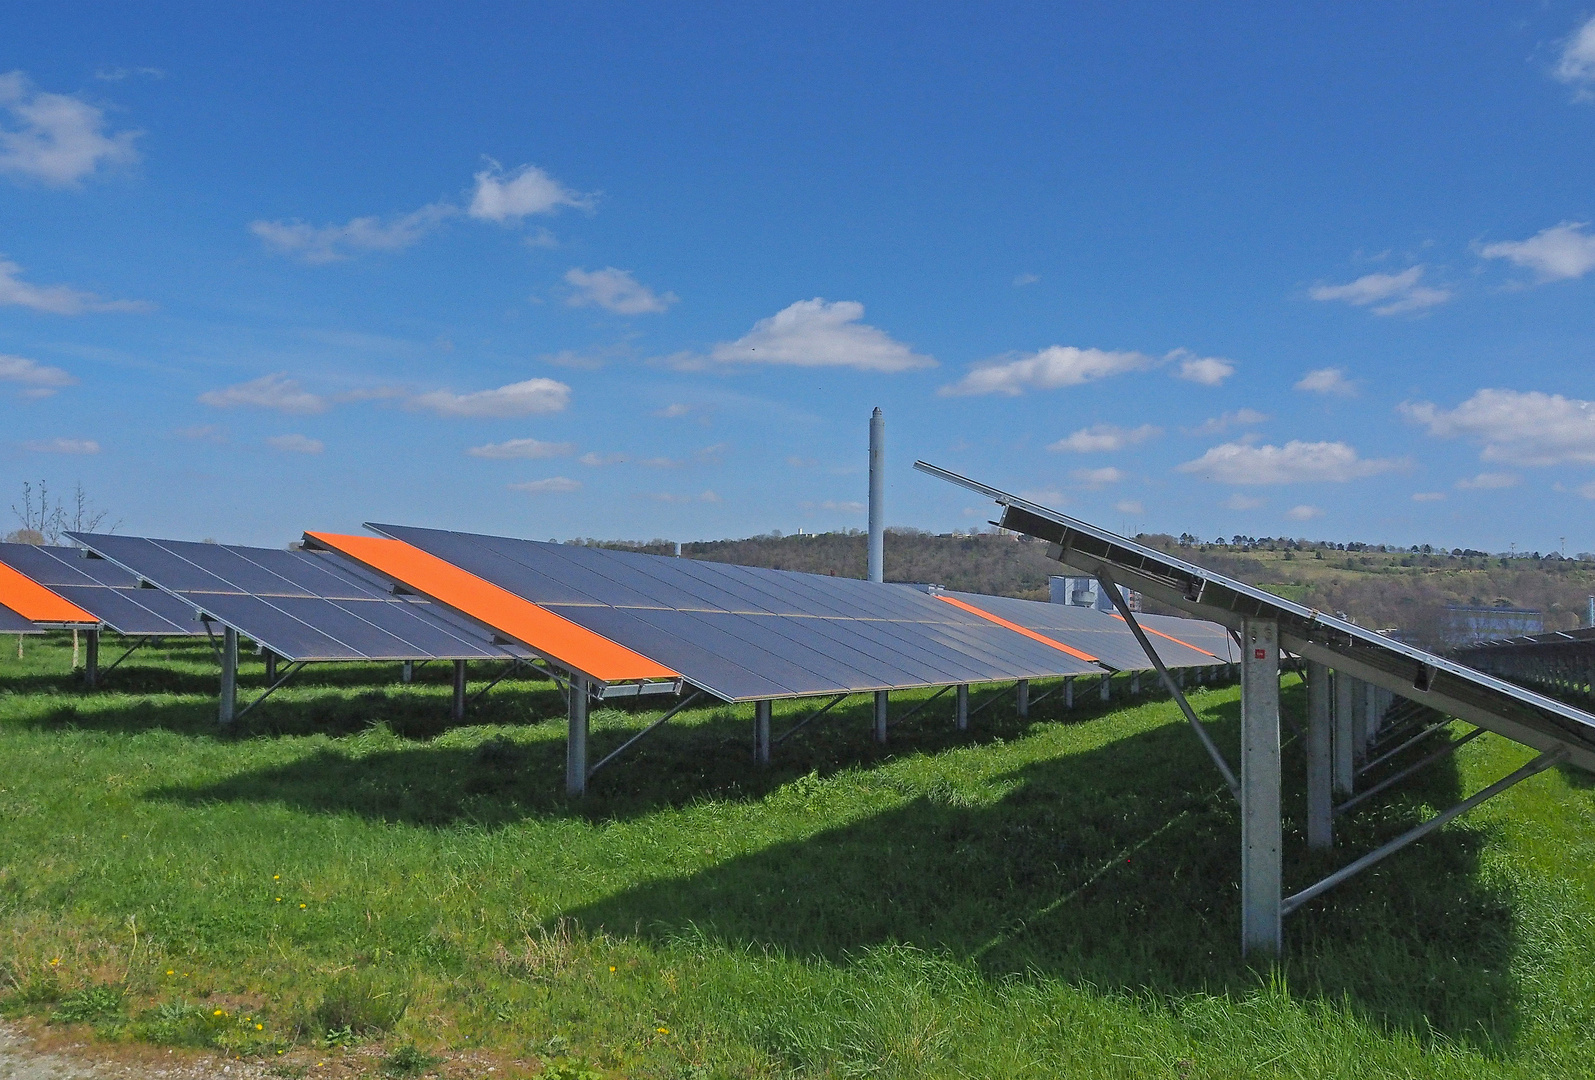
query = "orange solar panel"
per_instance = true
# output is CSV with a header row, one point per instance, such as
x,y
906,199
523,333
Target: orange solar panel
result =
x,y
536,627
1170,637
1016,628
33,601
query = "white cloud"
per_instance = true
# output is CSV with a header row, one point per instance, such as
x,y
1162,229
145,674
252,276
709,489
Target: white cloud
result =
x,y
528,398
1517,428
523,448
210,433
596,460
1239,418
615,290
55,139
1329,380
62,446
117,74
501,196
1237,501
553,485
673,411
848,506
814,333
296,444
1555,254
1296,462
1576,66
1100,438
330,243
1303,513
55,299
38,379
267,392
1042,497
1129,506
1050,369
1021,280
1392,293
1588,490
1428,496
670,497
1206,370
1488,481
1097,477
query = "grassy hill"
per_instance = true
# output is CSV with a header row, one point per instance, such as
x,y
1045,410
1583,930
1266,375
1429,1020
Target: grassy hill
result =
x,y
1379,587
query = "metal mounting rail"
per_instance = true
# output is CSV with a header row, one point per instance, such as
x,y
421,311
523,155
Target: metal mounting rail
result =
x,y
1312,892
1417,766
815,715
290,672
623,747
137,645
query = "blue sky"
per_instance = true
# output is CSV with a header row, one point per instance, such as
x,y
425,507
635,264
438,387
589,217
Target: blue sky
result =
x,y
635,270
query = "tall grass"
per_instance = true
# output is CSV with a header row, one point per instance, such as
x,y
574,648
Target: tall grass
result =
x,y
1046,897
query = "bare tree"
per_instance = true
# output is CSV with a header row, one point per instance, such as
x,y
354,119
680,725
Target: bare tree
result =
x,y
43,520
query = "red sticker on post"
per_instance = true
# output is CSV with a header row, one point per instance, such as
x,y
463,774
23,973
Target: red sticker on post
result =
x,y
1259,654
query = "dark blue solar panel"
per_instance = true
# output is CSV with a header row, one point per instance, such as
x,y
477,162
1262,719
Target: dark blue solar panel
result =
x,y
301,605
12,623
103,589
745,633
1104,636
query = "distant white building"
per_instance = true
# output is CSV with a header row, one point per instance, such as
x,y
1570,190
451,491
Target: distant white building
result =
x,y
1088,592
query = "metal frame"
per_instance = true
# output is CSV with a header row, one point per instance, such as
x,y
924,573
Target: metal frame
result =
x,y
623,747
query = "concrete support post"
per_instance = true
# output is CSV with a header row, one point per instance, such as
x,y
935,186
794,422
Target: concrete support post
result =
x,y
407,672
961,708
91,659
1068,691
1320,757
576,738
1107,687
1345,777
761,732
1261,828
1022,698
880,716
457,710
229,701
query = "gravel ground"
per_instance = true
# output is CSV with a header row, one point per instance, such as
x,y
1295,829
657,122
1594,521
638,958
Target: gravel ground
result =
x,y
23,1058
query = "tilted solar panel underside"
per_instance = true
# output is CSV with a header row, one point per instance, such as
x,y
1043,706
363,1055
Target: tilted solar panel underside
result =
x,y
1104,636
103,589
745,633
301,605
12,623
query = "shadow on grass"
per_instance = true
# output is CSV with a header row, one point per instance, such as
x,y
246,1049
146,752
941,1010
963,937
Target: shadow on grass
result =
x,y
1113,868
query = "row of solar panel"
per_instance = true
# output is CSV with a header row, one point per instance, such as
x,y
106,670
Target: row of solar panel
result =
x,y
741,633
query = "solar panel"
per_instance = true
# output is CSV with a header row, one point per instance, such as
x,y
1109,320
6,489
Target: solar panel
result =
x,y
1445,685
301,605
744,633
103,589
12,623
1104,636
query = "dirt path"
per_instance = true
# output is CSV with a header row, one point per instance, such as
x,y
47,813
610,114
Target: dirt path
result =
x,y
23,1057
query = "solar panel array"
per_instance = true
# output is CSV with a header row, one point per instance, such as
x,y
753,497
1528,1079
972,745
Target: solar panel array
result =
x,y
744,633
300,605
103,589
1106,637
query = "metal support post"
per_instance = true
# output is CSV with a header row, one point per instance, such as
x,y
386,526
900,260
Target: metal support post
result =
x,y
1320,758
91,659
1022,698
271,667
961,709
877,497
575,738
407,672
1261,827
1107,687
457,710
1345,742
761,732
1068,692
229,702
1372,713
1359,721
1135,684
880,716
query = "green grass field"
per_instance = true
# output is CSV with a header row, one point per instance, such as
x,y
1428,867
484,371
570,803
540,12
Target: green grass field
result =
x,y
1050,897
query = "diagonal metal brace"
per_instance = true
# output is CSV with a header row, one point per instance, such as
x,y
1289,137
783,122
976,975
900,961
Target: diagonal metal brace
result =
x,y
1168,681
623,747
292,670
1423,763
137,645
815,715
1538,765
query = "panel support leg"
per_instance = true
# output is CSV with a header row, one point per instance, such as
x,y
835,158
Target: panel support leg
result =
x,y
271,667
761,732
1022,699
576,738
1107,687
457,709
1135,684
961,709
1068,692
91,659
1345,778
880,716
1372,714
1261,827
407,672
229,696
1320,758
